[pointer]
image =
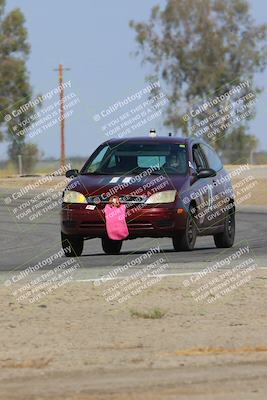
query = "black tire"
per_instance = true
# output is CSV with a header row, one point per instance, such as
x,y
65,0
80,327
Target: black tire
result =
x,y
227,237
111,246
72,245
185,241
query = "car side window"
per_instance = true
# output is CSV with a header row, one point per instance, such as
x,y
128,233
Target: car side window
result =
x,y
212,157
198,158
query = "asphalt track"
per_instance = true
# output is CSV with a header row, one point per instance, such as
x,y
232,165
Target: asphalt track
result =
x,y
23,244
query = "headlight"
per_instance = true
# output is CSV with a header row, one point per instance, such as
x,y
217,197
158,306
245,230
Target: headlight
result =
x,y
162,197
70,196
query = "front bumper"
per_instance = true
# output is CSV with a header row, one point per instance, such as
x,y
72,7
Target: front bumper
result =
x,y
150,221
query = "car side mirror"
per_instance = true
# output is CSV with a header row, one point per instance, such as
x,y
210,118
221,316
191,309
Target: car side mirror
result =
x,y
71,173
206,173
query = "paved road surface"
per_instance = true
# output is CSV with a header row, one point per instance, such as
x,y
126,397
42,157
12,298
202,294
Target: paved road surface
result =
x,y
23,244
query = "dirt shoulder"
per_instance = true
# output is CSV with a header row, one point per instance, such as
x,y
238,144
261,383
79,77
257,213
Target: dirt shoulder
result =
x,y
75,345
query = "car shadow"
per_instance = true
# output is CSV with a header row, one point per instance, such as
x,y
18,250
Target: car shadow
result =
x,y
127,253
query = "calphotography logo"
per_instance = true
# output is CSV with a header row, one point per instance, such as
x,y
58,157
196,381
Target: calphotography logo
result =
x,y
135,111
132,278
42,277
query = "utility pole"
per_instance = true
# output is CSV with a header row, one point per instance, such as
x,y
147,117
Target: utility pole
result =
x,y
60,70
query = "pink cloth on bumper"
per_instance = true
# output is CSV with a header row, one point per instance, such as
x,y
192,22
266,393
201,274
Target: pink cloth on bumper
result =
x,y
115,222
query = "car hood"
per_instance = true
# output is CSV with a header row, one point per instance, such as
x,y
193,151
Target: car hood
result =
x,y
105,186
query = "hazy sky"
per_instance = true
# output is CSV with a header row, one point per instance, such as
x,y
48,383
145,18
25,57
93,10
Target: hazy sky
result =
x,y
94,40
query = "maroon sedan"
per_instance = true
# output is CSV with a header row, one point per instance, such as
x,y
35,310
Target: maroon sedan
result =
x,y
172,187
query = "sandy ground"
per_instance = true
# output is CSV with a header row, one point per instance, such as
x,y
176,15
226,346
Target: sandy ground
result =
x,y
74,345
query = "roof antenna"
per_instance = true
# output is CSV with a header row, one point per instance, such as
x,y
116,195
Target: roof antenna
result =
x,y
152,133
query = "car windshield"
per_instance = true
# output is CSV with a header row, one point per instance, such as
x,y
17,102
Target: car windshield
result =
x,y
134,158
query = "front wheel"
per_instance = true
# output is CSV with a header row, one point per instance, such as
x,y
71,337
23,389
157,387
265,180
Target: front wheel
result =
x,y
227,237
71,245
111,246
185,241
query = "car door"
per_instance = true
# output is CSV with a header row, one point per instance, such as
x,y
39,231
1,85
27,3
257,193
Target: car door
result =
x,y
202,188
221,188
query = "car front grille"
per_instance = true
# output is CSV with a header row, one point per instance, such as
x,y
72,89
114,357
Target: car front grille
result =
x,y
124,199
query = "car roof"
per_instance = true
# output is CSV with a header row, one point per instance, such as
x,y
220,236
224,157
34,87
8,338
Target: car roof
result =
x,y
157,139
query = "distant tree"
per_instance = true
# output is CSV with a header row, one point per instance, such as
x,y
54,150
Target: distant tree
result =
x,y
239,139
197,47
15,89
30,157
